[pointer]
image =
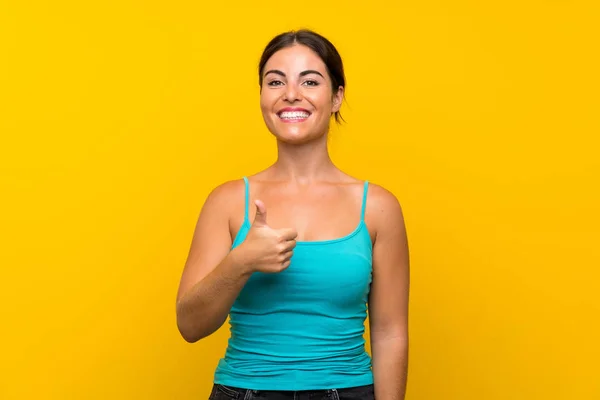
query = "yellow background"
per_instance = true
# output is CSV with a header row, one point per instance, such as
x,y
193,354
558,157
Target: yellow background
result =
x,y
118,117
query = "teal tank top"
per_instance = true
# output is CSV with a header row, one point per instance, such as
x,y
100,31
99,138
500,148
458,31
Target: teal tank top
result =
x,y
302,328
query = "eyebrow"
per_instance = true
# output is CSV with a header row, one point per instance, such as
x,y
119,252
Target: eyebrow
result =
x,y
303,73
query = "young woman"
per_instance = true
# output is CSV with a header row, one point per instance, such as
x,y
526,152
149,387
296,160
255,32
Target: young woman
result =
x,y
294,254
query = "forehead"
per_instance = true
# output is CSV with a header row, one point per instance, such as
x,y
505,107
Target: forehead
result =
x,y
295,59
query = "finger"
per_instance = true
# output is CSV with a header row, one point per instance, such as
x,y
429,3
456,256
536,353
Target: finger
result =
x,y
289,245
287,255
261,213
288,234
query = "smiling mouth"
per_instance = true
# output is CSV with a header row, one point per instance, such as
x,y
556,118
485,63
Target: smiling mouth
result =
x,y
293,116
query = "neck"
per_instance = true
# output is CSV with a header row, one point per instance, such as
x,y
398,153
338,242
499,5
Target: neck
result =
x,y
304,163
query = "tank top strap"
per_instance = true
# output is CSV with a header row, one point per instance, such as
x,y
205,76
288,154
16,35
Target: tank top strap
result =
x,y
246,199
364,201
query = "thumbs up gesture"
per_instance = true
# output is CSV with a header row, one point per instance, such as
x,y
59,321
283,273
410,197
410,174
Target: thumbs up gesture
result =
x,y
266,249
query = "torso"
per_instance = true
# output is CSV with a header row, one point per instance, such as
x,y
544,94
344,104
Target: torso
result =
x,y
303,328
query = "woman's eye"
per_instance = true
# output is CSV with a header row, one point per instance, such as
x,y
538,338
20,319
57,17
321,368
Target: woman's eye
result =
x,y
275,83
311,83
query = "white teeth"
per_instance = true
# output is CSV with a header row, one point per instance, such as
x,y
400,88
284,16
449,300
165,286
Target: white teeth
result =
x,y
293,115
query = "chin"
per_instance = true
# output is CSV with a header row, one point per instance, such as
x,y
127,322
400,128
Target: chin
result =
x,y
297,137
294,139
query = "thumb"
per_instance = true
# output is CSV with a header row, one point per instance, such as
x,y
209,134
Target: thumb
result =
x,y
261,213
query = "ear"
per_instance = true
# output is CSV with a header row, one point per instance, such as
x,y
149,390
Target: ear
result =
x,y
338,97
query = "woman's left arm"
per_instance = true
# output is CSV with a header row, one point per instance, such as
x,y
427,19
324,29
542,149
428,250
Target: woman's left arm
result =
x,y
388,300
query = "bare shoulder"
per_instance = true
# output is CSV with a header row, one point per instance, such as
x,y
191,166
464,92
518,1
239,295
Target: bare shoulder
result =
x,y
382,201
227,195
223,203
383,209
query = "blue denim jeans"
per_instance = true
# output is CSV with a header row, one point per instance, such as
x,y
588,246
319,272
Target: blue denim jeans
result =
x,y
221,392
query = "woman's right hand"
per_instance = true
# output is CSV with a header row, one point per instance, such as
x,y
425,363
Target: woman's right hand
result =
x,y
266,249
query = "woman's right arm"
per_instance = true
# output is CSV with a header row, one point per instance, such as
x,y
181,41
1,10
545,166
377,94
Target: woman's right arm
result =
x,y
213,276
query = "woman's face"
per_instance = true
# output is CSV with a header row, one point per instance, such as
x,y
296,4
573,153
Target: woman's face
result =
x,y
296,97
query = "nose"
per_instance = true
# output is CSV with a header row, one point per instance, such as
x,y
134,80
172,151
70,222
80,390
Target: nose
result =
x,y
291,93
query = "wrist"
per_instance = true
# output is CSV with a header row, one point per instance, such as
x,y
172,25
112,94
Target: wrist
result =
x,y
240,262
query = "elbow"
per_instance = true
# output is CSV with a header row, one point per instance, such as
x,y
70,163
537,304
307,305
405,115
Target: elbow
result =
x,y
397,337
390,348
191,327
189,332
189,336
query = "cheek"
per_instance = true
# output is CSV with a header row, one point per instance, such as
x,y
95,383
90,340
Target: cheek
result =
x,y
267,101
262,105
322,101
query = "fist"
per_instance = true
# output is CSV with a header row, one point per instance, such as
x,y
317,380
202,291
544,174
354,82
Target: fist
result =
x,y
266,249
